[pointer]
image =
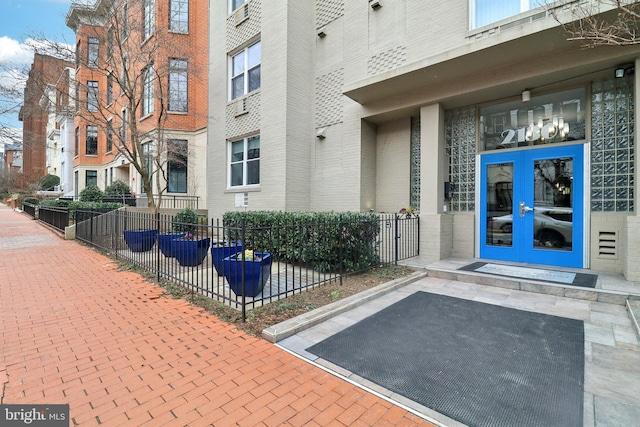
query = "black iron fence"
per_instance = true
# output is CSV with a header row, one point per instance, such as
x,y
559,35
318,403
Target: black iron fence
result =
x,y
243,267
30,209
55,216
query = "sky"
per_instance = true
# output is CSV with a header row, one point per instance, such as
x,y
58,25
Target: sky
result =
x,y
20,19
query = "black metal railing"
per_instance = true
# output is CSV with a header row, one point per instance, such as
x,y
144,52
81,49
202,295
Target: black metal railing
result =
x,y
30,209
159,244
55,216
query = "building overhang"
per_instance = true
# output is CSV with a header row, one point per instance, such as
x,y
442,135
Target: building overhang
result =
x,y
478,72
88,14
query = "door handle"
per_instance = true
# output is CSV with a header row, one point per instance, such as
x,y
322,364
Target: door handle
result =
x,y
524,209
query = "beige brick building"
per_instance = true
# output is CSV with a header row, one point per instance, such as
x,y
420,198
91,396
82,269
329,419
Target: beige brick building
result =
x,y
514,143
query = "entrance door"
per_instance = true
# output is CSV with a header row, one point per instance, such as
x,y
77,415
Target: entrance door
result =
x,y
531,206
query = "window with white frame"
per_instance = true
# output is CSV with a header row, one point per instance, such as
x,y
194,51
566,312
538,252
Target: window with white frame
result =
x,y
123,128
109,88
179,16
147,91
109,136
110,42
485,12
124,25
245,71
93,49
244,161
92,95
177,162
77,143
234,4
149,17
148,160
92,141
178,85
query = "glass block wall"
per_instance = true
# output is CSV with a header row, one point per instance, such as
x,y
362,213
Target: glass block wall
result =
x,y
460,140
414,171
612,151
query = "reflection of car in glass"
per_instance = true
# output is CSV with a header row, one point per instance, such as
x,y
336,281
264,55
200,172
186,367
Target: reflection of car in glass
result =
x,y
551,226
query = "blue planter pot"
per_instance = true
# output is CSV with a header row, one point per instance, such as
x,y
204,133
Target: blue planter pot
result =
x,y
256,273
140,240
164,242
189,252
220,251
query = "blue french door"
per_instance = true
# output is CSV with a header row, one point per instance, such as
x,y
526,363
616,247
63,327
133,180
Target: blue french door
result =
x,y
532,206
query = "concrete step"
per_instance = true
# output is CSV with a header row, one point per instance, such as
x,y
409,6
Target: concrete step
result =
x,y
633,306
528,285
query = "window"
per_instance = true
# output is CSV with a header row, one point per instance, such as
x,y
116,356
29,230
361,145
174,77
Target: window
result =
x,y
77,142
234,4
123,128
484,12
147,91
78,53
125,20
110,42
178,85
92,141
245,71
244,161
109,88
106,178
109,136
92,96
148,161
177,156
93,49
179,16
149,18
91,178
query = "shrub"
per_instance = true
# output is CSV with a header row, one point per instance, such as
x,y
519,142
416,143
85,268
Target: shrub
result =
x,y
32,200
47,182
328,241
91,193
99,206
185,220
54,202
117,188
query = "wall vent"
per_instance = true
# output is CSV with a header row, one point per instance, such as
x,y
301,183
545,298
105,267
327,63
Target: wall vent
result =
x,y
241,14
242,200
608,244
240,107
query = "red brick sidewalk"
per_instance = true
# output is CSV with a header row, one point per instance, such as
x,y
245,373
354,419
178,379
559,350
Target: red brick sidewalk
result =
x,y
75,330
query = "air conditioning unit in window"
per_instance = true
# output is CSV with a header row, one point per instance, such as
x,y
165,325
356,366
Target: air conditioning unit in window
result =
x,y
241,14
240,107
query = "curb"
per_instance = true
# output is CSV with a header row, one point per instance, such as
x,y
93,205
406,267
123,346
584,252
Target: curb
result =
x,y
291,327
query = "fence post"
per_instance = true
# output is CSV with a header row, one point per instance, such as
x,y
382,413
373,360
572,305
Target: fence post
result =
x,y
91,227
158,246
396,238
244,306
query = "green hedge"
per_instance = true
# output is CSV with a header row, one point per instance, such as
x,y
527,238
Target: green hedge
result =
x,y
54,202
327,241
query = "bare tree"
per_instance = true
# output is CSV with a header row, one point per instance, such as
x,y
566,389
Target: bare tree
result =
x,y
134,63
600,22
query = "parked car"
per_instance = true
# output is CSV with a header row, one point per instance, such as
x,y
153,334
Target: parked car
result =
x,y
552,226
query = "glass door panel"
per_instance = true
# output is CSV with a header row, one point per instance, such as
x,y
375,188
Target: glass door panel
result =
x,y
531,206
552,200
499,204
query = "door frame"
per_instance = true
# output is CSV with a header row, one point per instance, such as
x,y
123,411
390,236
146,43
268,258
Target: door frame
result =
x,y
581,178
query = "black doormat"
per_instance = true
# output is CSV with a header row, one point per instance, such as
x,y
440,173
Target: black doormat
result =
x,y
480,364
554,276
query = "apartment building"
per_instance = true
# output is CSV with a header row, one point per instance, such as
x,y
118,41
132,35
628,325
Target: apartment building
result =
x,y
44,71
141,88
514,143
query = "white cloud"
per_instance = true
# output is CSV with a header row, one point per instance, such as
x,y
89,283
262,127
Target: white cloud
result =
x,y
14,52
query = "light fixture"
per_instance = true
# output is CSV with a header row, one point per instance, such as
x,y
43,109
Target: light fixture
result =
x,y
375,5
320,133
526,95
321,33
625,70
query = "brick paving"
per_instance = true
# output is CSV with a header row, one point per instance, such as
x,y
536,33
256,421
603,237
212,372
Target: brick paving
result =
x,y
76,330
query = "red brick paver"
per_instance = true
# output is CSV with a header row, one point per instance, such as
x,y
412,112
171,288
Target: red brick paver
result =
x,y
75,330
